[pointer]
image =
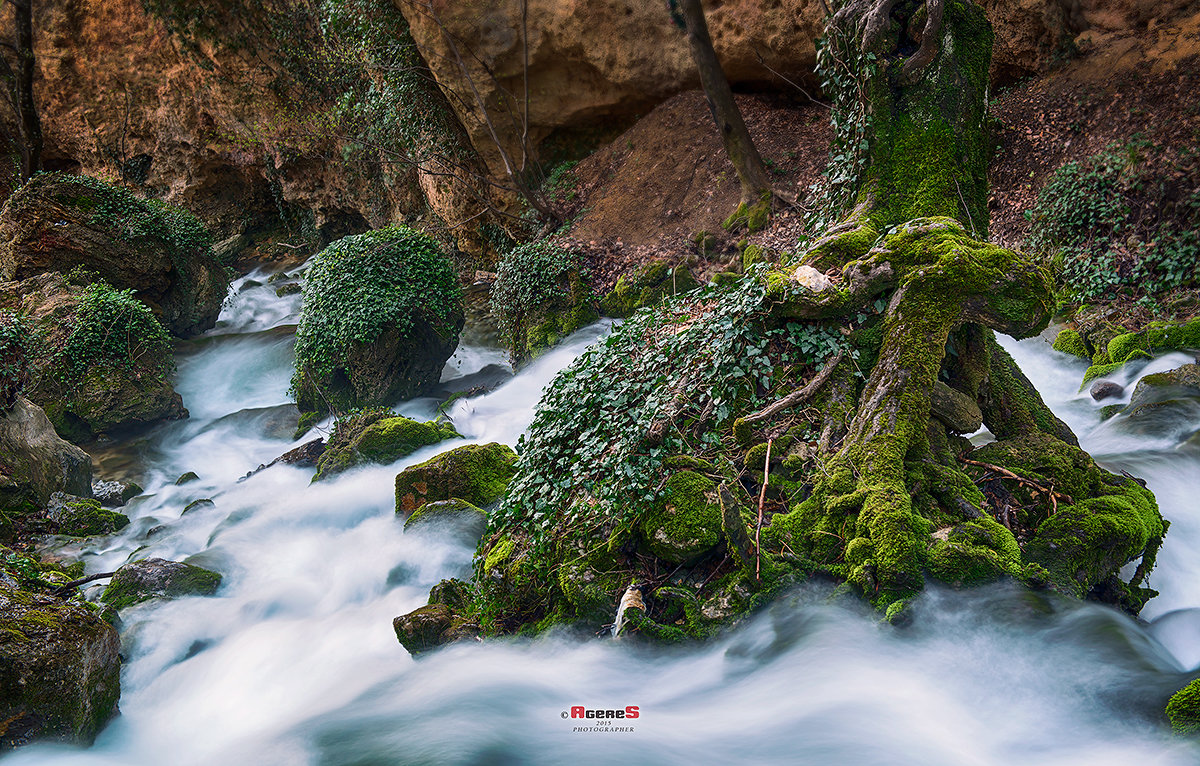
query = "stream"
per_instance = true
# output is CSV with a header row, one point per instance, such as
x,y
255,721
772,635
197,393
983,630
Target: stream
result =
x,y
295,661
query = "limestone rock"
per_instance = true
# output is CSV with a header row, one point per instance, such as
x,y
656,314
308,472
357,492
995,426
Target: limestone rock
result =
x,y
807,276
35,463
82,517
958,411
430,627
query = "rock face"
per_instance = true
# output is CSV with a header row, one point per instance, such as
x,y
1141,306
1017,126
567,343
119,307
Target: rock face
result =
x,y
382,314
476,473
158,578
59,670
35,463
56,222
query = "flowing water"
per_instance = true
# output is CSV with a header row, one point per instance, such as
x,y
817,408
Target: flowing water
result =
x,y
295,661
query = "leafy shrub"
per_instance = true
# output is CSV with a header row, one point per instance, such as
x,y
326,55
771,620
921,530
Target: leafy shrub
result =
x,y
1109,223
113,328
362,284
699,359
530,277
15,347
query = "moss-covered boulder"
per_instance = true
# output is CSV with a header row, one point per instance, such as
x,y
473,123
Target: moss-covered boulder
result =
x,y
1122,348
377,436
57,222
35,463
157,578
382,314
1069,341
104,359
647,286
1165,404
1183,709
59,670
456,518
432,626
540,296
687,525
83,516
476,473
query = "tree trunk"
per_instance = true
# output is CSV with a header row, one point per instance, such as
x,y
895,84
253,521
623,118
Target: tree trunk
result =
x,y
739,147
27,117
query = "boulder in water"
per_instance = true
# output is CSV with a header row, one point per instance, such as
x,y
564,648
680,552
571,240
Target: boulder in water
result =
x,y
458,518
57,222
377,436
157,578
114,494
1106,389
1183,709
432,626
59,670
83,516
382,314
476,473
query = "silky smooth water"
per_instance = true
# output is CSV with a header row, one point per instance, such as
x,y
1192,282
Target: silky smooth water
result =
x,y
295,661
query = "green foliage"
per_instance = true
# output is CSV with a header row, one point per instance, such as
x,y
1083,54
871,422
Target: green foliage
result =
x,y
362,284
112,328
15,348
1184,709
706,357
530,277
132,217
1107,222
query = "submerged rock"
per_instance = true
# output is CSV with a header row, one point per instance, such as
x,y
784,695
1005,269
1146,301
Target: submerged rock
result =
x,y
432,626
82,516
1106,389
157,578
59,670
114,494
374,437
35,463
475,473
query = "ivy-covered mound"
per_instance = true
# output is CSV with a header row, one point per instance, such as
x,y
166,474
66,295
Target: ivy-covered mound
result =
x,y
101,359
382,313
539,298
57,222
743,438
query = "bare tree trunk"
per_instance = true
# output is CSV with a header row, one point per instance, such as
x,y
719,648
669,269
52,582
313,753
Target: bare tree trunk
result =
x,y
752,174
27,116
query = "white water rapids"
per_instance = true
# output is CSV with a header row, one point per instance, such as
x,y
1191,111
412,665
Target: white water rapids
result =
x,y
295,661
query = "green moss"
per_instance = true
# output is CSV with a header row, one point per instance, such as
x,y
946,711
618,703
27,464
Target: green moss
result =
x,y
688,523
1071,342
1099,371
155,578
84,517
1183,709
753,254
1122,347
648,286
975,552
375,436
476,473
751,217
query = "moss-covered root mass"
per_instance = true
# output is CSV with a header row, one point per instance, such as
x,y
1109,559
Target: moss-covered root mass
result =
x,y
382,314
377,436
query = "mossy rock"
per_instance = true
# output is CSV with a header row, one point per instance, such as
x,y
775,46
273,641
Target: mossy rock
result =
x,y
1071,342
751,217
648,286
591,580
458,518
186,478
59,670
57,222
382,314
754,254
81,517
688,524
432,626
1155,337
1183,710
374,437
157,578
454,593
475,473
